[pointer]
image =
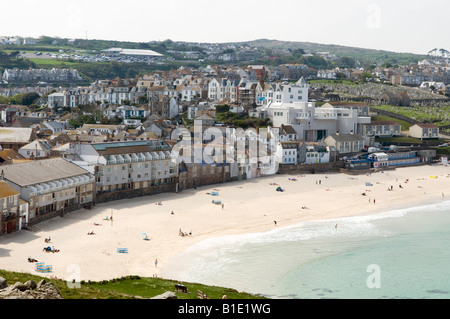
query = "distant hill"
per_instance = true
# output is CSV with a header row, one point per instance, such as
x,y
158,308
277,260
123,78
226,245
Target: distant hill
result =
x,y
364,56
315,55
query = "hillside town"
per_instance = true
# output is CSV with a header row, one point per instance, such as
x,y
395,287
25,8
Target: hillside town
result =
x,y
167,131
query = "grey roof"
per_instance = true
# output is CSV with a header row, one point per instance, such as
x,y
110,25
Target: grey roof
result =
x,y
288,129
41,171
346,137
15,135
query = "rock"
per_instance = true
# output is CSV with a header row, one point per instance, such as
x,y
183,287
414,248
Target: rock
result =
x,y
30,284
166,295
30,290
40,283
19,286
3,283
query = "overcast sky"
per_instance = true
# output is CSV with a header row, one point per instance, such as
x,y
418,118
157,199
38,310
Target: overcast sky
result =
x,y
394,25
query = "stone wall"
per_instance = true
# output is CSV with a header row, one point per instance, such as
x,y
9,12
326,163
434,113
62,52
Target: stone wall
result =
x,y
311,168
131,193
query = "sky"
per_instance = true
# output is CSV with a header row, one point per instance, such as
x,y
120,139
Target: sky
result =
x,y
411,26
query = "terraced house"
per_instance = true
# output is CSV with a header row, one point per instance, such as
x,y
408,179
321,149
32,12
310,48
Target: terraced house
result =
x,y
127,169
51,187
9,202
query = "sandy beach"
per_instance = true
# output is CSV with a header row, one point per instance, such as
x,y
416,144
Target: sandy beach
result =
x,y
249,206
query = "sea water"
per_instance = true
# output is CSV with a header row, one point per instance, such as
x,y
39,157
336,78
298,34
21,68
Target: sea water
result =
x,y
396,254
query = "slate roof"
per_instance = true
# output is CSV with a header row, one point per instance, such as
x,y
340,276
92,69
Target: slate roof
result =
x,y
41,171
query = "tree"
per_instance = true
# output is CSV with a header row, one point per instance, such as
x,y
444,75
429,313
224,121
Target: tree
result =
x,y
340,76
316,62
29,98
347,62
143,99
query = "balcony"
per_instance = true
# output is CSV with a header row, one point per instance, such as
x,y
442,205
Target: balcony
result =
x,y
325,115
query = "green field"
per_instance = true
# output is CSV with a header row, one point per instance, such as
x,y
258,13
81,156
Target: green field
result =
x,y
130,287
52,62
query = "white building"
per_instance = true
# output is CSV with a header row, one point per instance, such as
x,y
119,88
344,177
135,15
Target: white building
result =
x,y
313,123
282,93
56,100
36,149
222,89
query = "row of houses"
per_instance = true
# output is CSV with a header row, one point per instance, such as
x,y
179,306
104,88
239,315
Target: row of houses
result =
x,y
41,75
81,174
246,87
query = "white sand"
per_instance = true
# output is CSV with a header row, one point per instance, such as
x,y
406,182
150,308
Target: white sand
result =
x,y
249,206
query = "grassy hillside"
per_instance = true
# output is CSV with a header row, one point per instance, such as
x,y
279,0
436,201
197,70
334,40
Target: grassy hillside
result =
x,y
365,56
130,287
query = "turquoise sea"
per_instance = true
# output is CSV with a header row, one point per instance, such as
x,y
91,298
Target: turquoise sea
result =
x,y
395,254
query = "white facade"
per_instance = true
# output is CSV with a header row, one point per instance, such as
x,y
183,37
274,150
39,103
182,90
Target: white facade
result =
x,y
56,100
189,93
282,93
221,90
288,154
311,123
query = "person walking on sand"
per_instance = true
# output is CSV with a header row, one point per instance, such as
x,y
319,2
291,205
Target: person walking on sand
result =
x,y
223,205
156,262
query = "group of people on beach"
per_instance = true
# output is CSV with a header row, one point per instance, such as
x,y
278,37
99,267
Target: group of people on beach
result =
x,y
184,234
50,249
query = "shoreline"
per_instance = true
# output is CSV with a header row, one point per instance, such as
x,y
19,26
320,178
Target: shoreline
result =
x,y
250,206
